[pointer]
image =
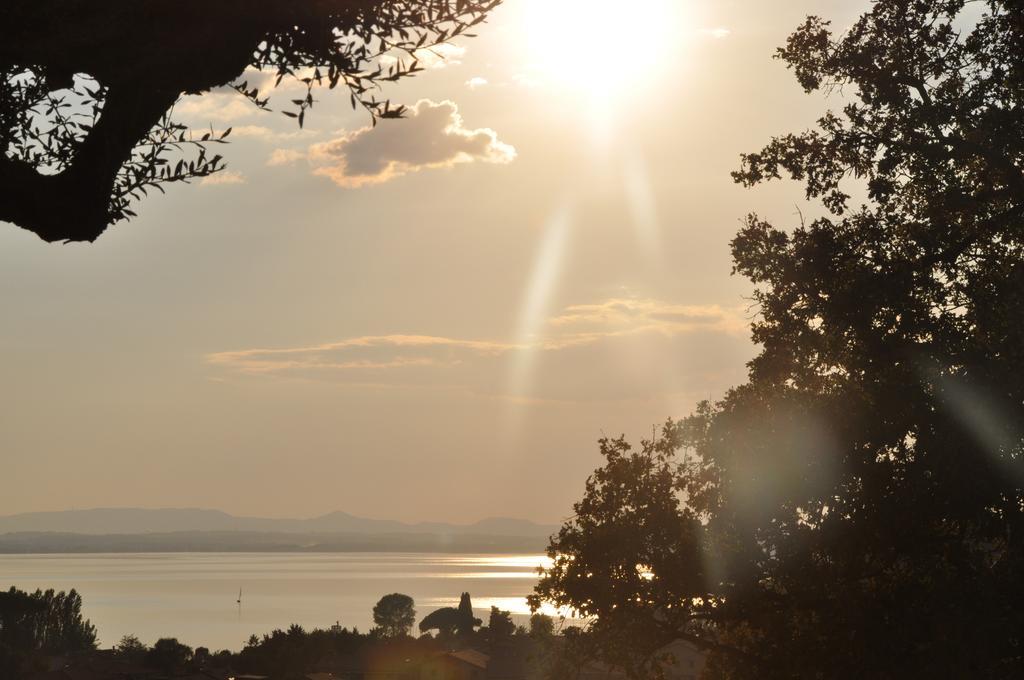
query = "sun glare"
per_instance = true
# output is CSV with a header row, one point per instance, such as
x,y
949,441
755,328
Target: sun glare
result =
x,y
602,48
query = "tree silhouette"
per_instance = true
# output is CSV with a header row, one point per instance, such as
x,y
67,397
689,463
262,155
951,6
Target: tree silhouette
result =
x,y
444,620
86,89
131,648
542,626
451,620
629,526
859,502
40,623
500,625
467,622
394,615
168,655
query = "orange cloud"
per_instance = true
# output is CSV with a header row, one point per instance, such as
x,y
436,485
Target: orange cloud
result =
x,y
638,314
619,348
223,177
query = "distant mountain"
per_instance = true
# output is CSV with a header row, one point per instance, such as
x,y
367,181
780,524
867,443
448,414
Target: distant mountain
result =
x,y
99,521
258,541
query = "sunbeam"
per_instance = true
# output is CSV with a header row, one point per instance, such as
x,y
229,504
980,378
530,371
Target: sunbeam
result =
x,y
547,270
643,210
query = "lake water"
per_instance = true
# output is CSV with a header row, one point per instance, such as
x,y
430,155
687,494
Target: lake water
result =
x,y
192,596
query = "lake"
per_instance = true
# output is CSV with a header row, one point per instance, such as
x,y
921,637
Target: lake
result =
x,y
192,596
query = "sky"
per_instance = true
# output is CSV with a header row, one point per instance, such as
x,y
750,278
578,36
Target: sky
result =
x,y
431,319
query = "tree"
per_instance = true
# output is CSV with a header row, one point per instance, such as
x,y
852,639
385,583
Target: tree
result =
x,y
131,648
394,615
630,560
86,89
168,655
499,625
40,623
444,620
450,620
467,622
542,626
860,500
294,652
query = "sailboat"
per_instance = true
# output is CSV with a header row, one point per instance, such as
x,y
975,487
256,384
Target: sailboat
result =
x,y
239,597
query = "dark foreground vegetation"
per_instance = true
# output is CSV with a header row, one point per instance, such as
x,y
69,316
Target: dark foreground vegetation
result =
x,y
43,636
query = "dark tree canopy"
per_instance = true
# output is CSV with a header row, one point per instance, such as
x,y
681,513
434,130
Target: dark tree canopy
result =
x,y
452,620
168,655
394,615
500,625
40,623
86,88
858,505
467,622
130,648
542,626
444,620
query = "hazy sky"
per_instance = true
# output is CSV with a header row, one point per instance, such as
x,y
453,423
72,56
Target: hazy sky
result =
x,y
434,319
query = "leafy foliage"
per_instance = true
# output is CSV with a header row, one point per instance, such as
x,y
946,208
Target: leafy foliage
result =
x,y
500,625
631,558
85,105
859,502
294,652
168,655
450,621
445,621
130,648
394,615
542,626
40,623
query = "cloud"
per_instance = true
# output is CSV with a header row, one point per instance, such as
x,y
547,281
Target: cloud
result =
x,y
266,134
225,105
266,83
616,349
431,136
631,315
285,157
223,177
217,106
476,82
438,56
385,359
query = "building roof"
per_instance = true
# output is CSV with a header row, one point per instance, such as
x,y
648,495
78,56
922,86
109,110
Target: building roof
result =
x,y
472,657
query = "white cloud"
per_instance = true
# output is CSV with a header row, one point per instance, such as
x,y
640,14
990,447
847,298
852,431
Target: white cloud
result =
x,y
476,82
432,135
223,177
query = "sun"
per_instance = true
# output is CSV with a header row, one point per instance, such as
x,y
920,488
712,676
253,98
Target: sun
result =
x,y
602,49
